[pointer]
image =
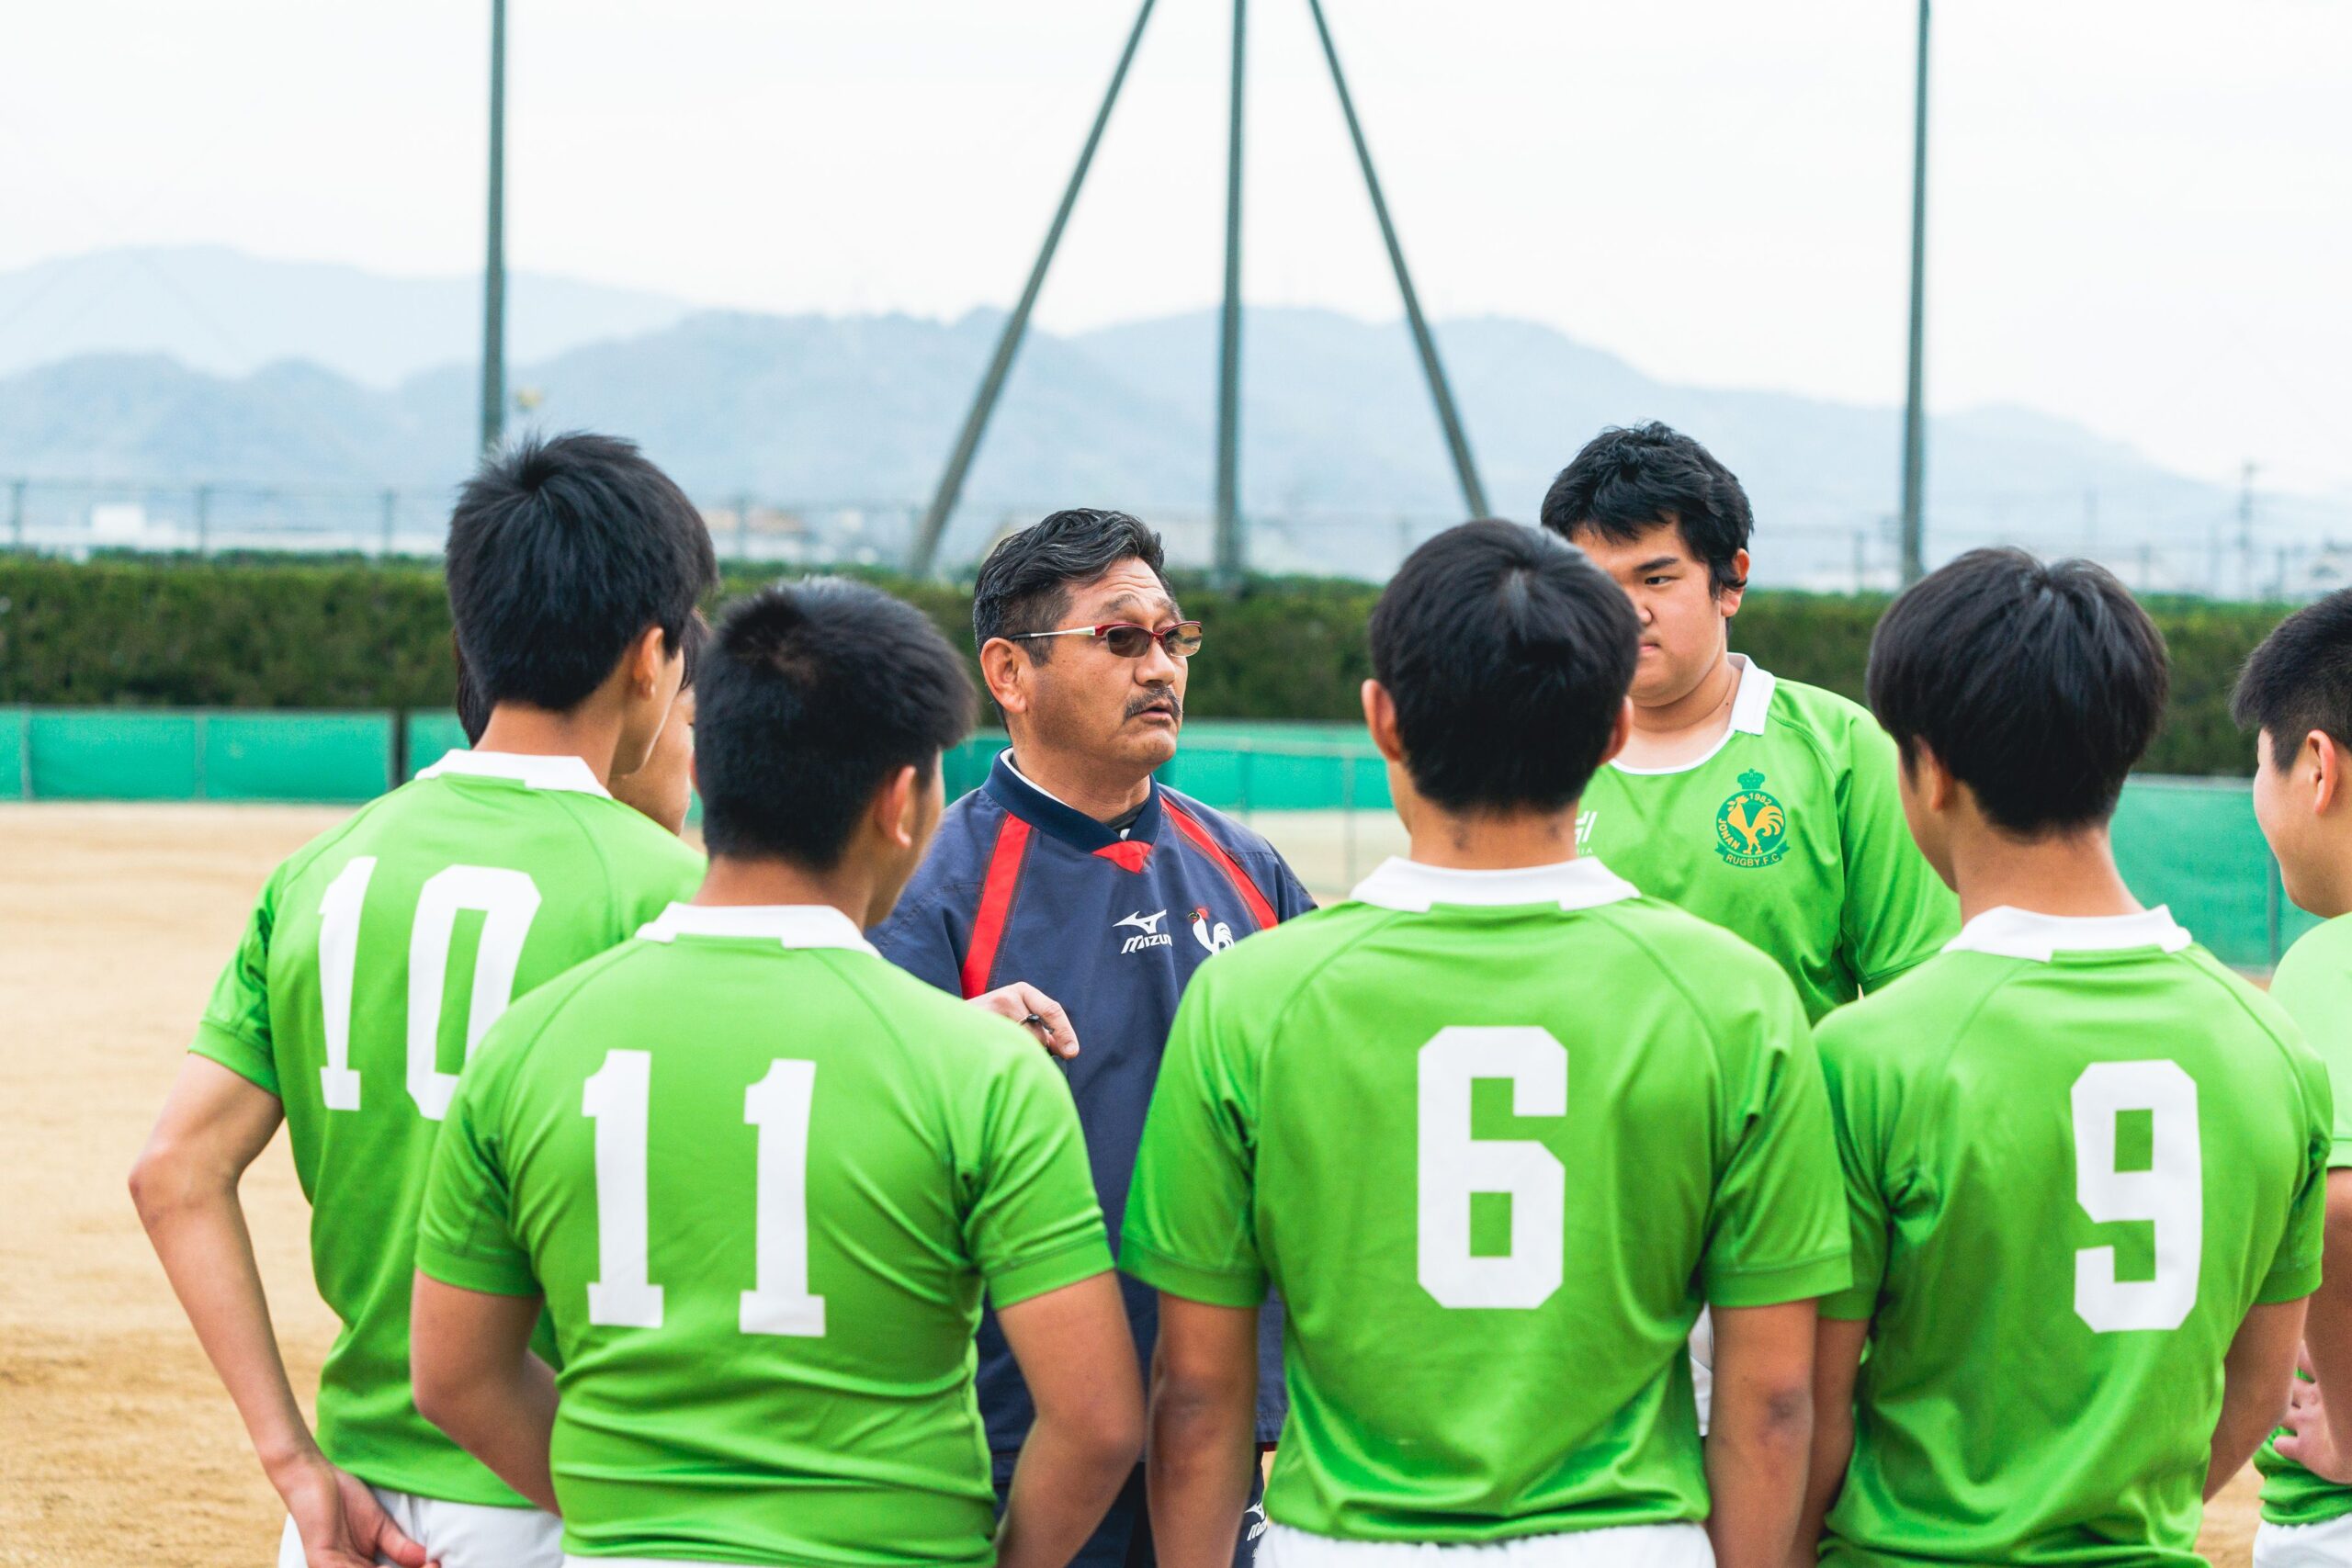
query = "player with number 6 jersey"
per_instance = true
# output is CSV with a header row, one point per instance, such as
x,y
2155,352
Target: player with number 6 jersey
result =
x,y
2085,1163
378,956
760,1177
1494,1128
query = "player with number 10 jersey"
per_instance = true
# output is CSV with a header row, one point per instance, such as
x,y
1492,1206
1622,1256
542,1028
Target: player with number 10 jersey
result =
x,y
375,959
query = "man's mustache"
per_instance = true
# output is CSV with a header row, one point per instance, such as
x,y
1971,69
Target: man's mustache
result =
x,y
1145,703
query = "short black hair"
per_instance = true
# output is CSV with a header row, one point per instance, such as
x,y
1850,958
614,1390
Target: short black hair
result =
x,y
2039,686
1507,653
814,693
1626,482
2301,679
473,708
562,551
1024,586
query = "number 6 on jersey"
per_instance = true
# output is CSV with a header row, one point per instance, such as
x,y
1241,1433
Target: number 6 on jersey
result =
x,y
1454,1165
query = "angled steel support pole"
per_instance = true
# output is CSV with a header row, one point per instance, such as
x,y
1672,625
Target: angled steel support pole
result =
x,y
1228,355
493,271
1465,471
967,443
1914,411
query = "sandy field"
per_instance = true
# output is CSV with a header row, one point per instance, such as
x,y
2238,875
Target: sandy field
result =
x,y
119,1446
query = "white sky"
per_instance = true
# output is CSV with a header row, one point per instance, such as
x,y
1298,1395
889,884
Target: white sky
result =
x,y
2142,217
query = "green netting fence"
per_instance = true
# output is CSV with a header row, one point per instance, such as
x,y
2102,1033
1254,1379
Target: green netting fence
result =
x,y
1319,791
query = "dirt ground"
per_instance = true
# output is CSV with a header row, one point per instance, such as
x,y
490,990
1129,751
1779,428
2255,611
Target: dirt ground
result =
x,y
118,1445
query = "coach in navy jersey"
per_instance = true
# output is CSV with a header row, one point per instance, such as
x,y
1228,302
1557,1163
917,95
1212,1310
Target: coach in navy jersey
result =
x,y
1074,871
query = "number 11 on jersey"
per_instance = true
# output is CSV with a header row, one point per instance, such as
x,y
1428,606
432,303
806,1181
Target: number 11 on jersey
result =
x,y
618,1099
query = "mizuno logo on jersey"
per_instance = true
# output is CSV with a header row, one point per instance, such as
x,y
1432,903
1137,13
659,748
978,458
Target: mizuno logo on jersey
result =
x,y
1149,926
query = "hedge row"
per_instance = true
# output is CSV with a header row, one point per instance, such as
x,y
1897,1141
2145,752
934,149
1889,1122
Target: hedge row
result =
x,y
272,634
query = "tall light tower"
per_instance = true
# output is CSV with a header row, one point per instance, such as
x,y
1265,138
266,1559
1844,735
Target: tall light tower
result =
x,y
1914,413
1231,553
494,272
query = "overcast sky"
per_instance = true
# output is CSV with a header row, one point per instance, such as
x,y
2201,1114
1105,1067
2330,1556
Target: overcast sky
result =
x,y
2142,209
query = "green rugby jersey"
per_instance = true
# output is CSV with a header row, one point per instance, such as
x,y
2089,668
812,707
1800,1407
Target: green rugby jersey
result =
x,y
1494,1135
2314,985
375,960
761,1176
1790,834
2077,1152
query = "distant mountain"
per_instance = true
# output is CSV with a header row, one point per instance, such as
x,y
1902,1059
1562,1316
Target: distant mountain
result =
x,y
1342,464
221,310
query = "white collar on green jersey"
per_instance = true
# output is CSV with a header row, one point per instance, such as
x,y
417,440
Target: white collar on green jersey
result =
x,y
570,773
1749,702
794,925
1407,884
2011,932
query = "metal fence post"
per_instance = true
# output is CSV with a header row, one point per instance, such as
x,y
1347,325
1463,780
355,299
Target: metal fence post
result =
x,y
743,528
391,510
203,519
1249,754
25,751
200,756
17,514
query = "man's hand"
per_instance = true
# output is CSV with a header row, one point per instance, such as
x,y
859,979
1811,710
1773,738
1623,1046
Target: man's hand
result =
x,y
1024,1003
2311,1444
340,1523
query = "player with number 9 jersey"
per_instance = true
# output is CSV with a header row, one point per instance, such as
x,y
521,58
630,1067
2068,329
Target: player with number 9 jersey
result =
x,y
376,960
2086,1163
2078,1151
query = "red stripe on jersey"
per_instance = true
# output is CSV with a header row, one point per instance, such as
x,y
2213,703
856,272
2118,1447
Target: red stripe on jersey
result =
x,y
1259,911
996,904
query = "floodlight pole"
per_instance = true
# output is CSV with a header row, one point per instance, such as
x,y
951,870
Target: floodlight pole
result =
x,y
1465,473
494,274
1008,343
1228,355
1914,413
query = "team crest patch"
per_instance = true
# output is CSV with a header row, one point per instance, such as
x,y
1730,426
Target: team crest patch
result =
x,y
1751,828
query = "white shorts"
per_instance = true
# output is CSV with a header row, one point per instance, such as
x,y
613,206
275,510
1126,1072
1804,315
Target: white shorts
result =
x,y
458,1535
1626,1546
2327,1544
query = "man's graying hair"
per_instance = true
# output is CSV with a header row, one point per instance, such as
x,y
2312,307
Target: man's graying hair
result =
x,y
1024,586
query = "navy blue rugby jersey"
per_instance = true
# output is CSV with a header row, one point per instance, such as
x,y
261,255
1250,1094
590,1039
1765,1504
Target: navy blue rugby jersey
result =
x,y
1018,886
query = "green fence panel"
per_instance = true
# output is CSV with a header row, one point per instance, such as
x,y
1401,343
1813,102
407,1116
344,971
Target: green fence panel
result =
x,y
332,758
430,735
2193,844
114,754
15,739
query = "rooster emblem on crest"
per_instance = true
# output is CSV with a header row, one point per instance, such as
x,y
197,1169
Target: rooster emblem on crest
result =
x,y
1751,828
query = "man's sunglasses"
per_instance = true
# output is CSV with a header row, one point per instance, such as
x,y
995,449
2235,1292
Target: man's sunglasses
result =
x,y
1128,640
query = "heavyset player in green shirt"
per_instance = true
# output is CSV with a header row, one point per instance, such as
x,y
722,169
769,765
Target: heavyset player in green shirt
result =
x,y
698,1197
